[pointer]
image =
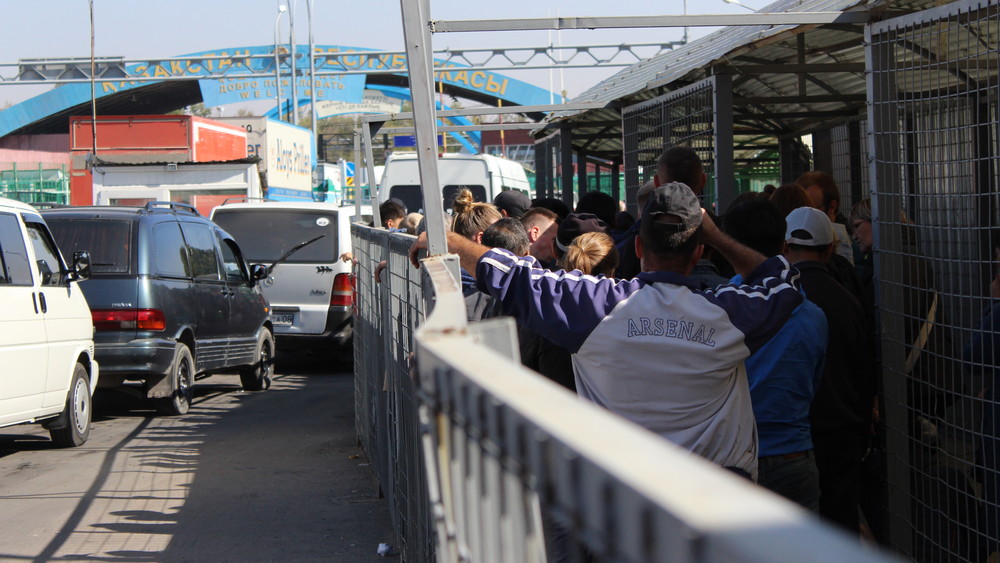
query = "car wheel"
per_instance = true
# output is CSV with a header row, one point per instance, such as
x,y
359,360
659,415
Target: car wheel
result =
x,y
257,376
72,428
182,375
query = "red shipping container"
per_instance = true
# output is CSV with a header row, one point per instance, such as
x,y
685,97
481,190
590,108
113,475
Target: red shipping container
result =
x,y
148,138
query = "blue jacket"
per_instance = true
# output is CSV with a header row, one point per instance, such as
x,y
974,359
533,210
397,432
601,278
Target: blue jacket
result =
x,y
659,349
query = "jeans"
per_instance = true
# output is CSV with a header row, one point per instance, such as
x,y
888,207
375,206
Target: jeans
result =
x,y
793,476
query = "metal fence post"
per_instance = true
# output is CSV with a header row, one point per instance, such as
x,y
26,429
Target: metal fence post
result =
x,y
419,62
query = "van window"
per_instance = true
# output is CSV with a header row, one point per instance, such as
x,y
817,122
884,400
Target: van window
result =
x,y
169,251
109,242
231,264
46,256
201,251
410,195
13,253
263,235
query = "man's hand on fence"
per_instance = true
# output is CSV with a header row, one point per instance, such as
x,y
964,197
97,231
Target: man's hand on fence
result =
x,y
416,247
378,270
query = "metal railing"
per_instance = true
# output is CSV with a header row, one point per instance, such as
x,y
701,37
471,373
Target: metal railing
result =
x,y
484,460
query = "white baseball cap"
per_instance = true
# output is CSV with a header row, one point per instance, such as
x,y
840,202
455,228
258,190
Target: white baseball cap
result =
x,y
808,226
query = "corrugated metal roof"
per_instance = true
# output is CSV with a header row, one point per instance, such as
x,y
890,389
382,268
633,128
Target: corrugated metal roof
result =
x,y
675,64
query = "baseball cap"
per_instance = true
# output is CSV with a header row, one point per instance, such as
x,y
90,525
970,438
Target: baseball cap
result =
x,y
515,203
673,198
808,226
574,225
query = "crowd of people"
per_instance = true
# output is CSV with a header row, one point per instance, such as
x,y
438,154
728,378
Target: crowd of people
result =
x,y
749,339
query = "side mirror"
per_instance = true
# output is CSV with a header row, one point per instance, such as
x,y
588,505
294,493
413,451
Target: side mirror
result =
x,y
81,266
258,272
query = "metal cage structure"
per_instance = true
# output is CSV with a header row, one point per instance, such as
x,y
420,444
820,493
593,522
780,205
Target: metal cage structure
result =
x,y
698,116
933,86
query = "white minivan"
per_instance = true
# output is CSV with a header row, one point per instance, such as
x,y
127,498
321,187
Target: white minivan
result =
x,y
484,175
311,290
46,330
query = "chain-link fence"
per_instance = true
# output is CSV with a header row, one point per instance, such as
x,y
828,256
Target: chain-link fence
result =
x,y
933,88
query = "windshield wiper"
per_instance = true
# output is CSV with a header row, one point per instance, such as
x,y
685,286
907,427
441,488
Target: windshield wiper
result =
x,y
291,251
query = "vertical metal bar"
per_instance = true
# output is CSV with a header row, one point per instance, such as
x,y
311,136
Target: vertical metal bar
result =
x,y
581,172
616,180
857,167
357,161
725,179
883,139
419,62
373,194
566,149
293,52
312,74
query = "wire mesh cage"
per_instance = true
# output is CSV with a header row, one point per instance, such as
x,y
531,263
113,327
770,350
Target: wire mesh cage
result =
x,y
685,117
933,88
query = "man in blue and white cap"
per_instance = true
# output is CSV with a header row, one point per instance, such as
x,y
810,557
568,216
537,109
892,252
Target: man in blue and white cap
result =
x,y
841,412
659,349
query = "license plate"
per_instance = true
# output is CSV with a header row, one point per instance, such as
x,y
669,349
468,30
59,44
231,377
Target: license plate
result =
x,y
283,320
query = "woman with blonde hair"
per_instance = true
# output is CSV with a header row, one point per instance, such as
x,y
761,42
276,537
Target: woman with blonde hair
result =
x,y
470,218
591,253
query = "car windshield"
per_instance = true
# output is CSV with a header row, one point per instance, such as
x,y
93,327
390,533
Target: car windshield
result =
x,y
265,234
108,241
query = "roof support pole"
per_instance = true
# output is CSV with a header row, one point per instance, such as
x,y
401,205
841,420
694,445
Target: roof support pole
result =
x,y
419,53
725,175
885,176
581,172
616,180
566,163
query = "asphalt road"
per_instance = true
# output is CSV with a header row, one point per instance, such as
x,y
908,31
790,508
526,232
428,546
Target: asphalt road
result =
x,y
267,476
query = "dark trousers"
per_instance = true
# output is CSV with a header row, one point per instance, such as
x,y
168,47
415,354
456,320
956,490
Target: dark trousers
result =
x,y
839,452
793,476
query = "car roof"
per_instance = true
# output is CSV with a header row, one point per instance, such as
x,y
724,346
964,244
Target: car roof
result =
x,y
123,211
14,204
290,205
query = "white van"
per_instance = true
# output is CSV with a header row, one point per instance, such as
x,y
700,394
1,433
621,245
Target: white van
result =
x,y
484,175
46,330
311,290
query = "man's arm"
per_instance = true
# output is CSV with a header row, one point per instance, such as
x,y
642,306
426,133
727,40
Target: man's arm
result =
x,y
468,251
743,259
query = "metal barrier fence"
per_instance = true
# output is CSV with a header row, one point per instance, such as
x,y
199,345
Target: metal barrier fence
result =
x,y
684,117
385,404
498,461
933,91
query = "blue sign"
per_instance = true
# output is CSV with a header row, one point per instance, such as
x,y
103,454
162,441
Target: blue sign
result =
x,y
404,141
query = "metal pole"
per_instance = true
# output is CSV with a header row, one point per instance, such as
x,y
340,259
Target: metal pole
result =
x,y
292,50
277,62
93,88
366,140
312,75
419,53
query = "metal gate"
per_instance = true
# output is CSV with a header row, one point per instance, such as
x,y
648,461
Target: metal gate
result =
x,y
933,89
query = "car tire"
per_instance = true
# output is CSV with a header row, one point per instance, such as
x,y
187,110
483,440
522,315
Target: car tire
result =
x,y
182,376
72,427
257,376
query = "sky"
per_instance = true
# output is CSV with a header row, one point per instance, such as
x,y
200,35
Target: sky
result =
x,y
137,29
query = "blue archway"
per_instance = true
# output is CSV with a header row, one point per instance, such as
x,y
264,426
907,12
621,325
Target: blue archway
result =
x,y
148,93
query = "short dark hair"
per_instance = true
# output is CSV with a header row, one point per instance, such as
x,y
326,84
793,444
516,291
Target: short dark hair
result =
x,y
600,204
507,233
669,246
391,210
553,204
826,184
680,164
756,223
529,215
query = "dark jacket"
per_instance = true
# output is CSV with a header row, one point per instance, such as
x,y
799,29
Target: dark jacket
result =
x,y
847,388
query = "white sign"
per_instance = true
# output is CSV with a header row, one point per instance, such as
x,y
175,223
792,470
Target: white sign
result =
x,y
374,102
